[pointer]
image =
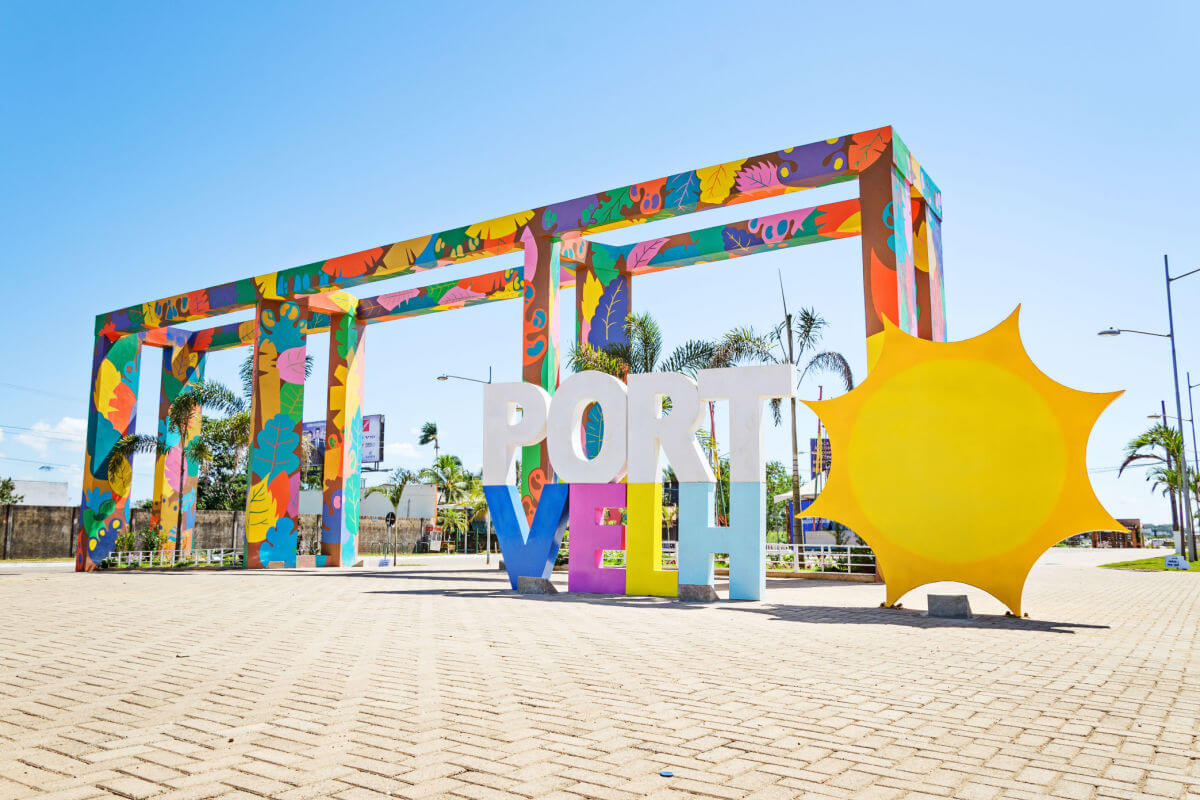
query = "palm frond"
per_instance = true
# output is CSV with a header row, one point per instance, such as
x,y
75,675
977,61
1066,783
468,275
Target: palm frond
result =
x,y
832,362
690,357
131,444
741,346
429,433
586,357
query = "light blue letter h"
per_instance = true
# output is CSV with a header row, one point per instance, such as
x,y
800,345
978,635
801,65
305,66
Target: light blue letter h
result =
x,y
745,539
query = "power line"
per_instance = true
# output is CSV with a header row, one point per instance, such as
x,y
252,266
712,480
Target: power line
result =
x,y
39,391
42,434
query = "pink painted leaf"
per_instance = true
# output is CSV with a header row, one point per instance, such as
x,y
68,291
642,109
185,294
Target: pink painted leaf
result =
x,y
392,300
171,466
458,296
291,365
757,177
642,253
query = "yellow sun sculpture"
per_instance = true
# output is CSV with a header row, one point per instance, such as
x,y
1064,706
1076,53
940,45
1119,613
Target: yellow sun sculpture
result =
x,y
960,461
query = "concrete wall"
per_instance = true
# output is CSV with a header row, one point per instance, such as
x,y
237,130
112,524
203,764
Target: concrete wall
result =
x,y
48,531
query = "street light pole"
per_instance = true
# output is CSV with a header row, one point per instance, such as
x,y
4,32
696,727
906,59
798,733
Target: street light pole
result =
x,y
487,539
1188,528
1185,486
1192,415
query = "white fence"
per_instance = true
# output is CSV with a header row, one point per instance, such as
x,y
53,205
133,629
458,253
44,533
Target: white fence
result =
x,y
212,557
781,557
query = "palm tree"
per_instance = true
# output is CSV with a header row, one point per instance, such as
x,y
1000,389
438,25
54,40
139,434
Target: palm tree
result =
x,y
642,352
792,340
1164,474
453,521
429,433
452,480
182,413
393,492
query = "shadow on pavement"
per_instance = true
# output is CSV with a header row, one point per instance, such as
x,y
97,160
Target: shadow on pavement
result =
x,y
842,615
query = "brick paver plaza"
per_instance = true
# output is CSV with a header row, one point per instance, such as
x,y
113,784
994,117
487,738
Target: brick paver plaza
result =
x,y
433,680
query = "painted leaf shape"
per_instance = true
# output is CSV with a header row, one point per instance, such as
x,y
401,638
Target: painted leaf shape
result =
x,y
275,448
290,364
757,177
592,289
261,512
716,182
458,295
611,207
593,430
865,148
682,191
611,312
500,227
392,300
738,242
291,401
642,253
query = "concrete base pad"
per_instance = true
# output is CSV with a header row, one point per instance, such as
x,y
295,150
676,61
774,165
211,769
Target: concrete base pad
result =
x,y
276,565
697,593
949,606
527,585
305,562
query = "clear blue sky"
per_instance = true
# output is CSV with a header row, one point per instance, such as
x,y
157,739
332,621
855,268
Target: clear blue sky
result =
x,y
153,148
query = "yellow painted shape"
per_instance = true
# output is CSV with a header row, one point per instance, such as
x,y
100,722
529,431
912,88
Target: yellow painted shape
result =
x,y
592,291
261,512
644,574
106,388
921,248
717,182
499,227
960,461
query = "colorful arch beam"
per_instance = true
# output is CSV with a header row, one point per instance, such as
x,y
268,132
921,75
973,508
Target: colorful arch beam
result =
x,y
897,214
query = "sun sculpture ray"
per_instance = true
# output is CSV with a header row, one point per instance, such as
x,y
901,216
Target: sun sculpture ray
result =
x,y
961,461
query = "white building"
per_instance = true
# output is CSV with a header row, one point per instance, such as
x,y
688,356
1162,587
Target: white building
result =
x,y
41,493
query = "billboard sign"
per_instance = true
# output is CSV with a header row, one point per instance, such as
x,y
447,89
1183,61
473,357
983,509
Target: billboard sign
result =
x,y
372,442
819,460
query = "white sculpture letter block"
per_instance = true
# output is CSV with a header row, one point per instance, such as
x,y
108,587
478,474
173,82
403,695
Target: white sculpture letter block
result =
x,y
564,438
504,431
673,434
746,389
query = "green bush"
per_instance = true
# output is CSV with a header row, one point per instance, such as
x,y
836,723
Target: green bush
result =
x,y
151,538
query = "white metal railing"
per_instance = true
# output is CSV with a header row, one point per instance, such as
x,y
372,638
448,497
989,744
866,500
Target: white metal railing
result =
x,y
824,558
209,557
781,556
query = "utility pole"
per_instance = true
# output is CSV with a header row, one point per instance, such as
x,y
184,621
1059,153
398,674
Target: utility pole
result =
x,y
787,320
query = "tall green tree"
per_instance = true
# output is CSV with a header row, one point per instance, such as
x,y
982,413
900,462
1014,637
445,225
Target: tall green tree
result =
x,y
453,481
393,492
1160,447
8,493
793,342
429,435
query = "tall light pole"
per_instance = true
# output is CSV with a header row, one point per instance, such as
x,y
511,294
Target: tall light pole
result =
x,y
487,537
1189,529
1192,414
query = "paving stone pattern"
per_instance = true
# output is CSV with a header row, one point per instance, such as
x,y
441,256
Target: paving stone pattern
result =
x,y
435,680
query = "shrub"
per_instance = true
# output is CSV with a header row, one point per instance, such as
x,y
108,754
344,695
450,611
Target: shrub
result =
x,y
151,539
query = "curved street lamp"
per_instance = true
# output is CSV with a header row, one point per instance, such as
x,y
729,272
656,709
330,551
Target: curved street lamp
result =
x,y
1188,533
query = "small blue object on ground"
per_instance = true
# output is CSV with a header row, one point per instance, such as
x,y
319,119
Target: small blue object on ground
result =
x,y
666,773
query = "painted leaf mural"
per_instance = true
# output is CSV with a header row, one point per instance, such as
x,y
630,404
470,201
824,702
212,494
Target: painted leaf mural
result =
x,y
275,448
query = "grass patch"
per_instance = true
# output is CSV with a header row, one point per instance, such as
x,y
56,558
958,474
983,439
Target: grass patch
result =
x,y
1156,563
